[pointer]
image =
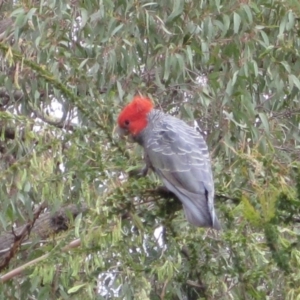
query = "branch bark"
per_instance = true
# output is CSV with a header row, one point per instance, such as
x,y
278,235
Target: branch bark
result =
x,y
5,26
19,238
47,224
17,271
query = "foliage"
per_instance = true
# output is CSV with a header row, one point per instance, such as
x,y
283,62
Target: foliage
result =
x,y
233,66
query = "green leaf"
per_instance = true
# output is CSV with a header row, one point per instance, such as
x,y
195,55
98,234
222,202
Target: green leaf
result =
x,y
18,11
265,38
189,56
21,19
167,68
249,212
177,10
291,21
30,13
120,90
226,22
76,288
282,26
236,22
286,66
294,81
84,17
27,187
265,122
77,224
118,28
248,11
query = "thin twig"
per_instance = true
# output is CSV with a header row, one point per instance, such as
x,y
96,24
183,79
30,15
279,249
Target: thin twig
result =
x,y
17,271
19,238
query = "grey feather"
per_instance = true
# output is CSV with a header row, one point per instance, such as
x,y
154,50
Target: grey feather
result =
x,y
179,155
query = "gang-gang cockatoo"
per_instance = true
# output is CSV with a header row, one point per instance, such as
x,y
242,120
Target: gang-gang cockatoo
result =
x,y
177,153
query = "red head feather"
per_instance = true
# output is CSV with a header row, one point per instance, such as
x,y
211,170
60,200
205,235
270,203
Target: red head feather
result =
x,y
133,117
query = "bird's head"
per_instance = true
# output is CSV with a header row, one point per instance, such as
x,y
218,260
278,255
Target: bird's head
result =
x,y
133,118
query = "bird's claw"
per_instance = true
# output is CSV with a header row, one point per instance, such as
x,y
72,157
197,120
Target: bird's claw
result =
x,y
138,172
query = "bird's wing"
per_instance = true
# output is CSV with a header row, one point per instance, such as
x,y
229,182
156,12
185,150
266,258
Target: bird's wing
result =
x,y
179,155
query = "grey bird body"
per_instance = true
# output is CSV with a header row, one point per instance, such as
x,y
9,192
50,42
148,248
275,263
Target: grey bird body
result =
x,y
179,155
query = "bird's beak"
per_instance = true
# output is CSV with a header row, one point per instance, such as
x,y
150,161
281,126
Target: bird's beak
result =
x,y
121,132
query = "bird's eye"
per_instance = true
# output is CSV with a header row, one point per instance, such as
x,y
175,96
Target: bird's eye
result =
x,y
126,122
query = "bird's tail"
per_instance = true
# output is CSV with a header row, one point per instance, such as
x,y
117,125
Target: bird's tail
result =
x,y
201,218
198,213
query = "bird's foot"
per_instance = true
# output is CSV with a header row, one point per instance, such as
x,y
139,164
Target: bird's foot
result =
x,y
161,190
138,172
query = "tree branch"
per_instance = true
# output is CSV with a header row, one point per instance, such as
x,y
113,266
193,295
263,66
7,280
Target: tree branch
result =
x,y
20,236
17,271
59,123
5,26
5,96
45,225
